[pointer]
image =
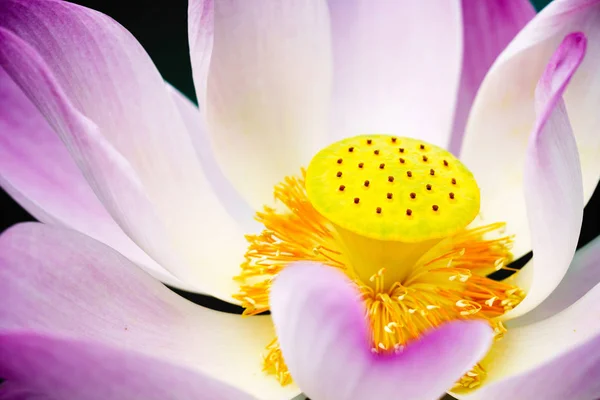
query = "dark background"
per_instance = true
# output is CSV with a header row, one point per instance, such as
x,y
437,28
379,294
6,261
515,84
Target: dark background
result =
x,y
161,28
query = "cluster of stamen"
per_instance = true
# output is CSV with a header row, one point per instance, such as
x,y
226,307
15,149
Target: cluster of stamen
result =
x,y
297,234
345,201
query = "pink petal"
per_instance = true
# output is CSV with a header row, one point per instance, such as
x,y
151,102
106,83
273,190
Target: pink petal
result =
x,y
73,369
37,170
264,88
61,283
583,274
503,114
323,336
552,180
15,391
554,359
488,26
396,67
100,91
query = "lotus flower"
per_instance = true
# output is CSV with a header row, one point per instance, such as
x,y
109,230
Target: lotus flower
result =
x,y
136,186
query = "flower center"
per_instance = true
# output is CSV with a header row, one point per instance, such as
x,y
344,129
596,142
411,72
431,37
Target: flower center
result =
x,y
393,214
390,200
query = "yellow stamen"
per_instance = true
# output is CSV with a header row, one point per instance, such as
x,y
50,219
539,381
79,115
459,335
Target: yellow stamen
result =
x,y
414,271
471,379
296,233
273,364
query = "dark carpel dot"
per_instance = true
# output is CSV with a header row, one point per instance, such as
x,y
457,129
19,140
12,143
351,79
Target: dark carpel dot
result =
x,y
451,195
432,172
413,195
367,183
435,207
360,165
369,141
381,166
428,187
339,174
408,212
339,161
389,195
402,160
376,152
350,149
378,210
356,200
390,179
409,174
342,187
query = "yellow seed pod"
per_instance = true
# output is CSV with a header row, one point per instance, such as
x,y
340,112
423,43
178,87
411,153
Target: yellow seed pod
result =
x,y
392,188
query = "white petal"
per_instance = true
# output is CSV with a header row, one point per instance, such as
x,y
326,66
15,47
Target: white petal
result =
x,y
554,359
583,275
552,180
235,204
265,86
503,114
396,67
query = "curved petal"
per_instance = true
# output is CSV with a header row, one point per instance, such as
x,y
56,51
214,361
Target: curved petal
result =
x,y
503,114
265,87
37,170
73,369
100,91
322,332
552,181
554,359
582,276
59,282
396,67
228,195
488,26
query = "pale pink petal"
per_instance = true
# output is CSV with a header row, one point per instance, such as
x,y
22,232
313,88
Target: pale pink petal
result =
x,y
552,180
37,170
74,369
396,67
323,335
59,282
265,87
109,174
554,359
488,26
582,276
100,91
503,114
235,204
